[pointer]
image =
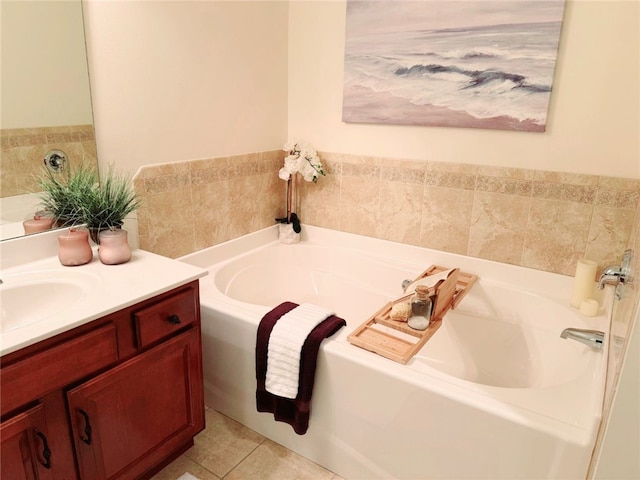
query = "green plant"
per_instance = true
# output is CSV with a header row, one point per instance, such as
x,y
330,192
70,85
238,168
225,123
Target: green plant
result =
x,y
109,203
63,193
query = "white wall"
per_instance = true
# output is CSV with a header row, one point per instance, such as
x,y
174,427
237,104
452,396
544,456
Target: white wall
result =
x,y
185,80
594,116
44,65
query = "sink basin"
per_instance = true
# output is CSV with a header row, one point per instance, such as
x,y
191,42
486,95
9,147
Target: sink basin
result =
x,y
30,297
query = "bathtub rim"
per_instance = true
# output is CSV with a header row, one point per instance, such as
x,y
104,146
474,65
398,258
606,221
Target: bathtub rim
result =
x,y
548,284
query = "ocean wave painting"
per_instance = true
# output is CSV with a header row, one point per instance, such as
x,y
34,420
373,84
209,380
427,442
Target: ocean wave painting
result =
x,y
457,63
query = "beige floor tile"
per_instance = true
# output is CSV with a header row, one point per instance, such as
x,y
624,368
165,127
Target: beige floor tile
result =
x,y
183,465
271,461
223,444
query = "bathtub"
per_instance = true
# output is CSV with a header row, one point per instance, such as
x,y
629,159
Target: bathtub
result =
x,y
495,393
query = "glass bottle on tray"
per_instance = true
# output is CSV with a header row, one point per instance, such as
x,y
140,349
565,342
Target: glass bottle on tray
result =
x,y
421,306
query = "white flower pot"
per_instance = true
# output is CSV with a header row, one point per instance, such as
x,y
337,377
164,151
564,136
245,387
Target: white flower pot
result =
x,y
287,235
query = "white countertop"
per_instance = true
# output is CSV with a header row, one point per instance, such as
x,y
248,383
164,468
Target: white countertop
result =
x,y
107,289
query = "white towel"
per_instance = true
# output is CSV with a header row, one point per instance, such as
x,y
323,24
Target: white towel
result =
x,y
285,344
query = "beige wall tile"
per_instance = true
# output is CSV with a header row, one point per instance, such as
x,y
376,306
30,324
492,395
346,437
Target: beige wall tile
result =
x,y
273,203
370,171
564,191
567,178
532,218
617,183
399,212
163,169
462,168
505,172
511,186
498,225
321,202
556,235
446,217
617,198
169,219
23,150
609,233
363,160
244,214
213,210
332,158
463,180
359,204
332,167
220,199
402,175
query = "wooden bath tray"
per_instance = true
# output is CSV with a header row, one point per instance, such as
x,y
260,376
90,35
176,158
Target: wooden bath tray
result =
x,y
397,341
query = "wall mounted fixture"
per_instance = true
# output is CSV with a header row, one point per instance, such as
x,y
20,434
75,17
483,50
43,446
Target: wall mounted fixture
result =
x,y
55,160
618,275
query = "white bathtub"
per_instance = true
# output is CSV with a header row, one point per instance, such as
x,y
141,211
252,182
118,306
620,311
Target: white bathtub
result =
x,y
495,393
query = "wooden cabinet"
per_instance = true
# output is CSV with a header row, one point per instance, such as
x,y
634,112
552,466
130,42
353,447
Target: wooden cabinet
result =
x,y
114,399
25,447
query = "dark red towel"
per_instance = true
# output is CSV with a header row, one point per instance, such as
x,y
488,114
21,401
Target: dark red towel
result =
x,y
296,411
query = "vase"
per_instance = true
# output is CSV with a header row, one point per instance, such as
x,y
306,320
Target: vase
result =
x,y
37,224
94,232
114,247
286,234
74,248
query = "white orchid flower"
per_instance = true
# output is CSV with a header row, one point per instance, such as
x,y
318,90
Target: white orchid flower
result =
x,y
302,159
289,146
283,174
292,164
308,152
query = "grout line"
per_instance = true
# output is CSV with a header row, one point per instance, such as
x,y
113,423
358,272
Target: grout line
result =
x,y
244,458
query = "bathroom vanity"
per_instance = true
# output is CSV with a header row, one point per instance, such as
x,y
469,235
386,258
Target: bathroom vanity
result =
x,y
113,394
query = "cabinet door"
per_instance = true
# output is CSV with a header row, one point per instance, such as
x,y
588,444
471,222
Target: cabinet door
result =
x,y
133,416
24,448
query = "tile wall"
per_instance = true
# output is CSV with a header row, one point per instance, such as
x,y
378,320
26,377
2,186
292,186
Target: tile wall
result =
x,y
538,219
187,206
23,149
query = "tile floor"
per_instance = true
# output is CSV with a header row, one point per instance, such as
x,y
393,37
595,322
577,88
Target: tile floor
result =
x,y
227,450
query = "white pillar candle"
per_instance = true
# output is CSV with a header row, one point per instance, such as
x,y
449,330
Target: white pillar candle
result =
x,y
589,307
583,283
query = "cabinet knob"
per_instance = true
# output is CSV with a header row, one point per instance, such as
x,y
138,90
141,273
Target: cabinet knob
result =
x,y
46,452
174,319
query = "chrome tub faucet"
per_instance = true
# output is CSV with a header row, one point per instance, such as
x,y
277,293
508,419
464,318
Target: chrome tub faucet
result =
x,y
618,276
611,275
592,338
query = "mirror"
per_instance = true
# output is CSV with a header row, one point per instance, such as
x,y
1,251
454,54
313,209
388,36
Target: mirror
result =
x,y
46,101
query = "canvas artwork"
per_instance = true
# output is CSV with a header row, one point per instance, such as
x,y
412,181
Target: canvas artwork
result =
x,y
480,63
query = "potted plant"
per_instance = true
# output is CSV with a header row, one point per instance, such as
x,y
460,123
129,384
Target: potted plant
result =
x,y
63,193
108,204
